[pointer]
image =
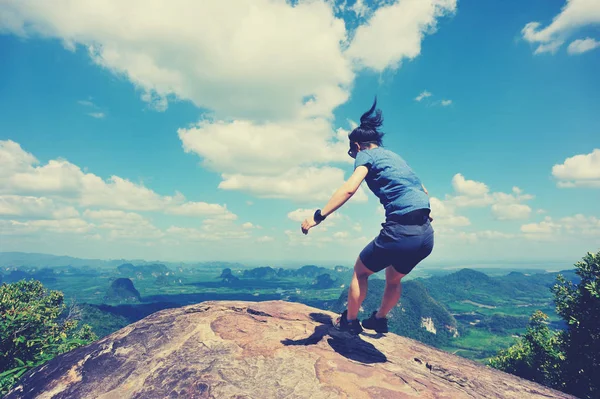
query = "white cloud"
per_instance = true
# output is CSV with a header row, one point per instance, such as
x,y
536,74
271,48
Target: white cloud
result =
x,y
265,239
248,225
122,194
544,227
511,211
360,8
155,101
274,86
394,32
443,214
189,234
581,224
124,225
13,160
468,187
220,219
34,208
209,232
298,184
579,171
485,235
97,115
88,103
550,229
317,237
261,58
70,225
424,94
200,209
574,15
581,46
340,235
63,180
265,148
477,194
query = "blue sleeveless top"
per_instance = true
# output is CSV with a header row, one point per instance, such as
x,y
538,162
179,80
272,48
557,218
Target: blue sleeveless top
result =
x,y
391,179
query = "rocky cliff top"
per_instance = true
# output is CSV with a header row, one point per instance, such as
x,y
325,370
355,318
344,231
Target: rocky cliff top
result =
x,y
262,350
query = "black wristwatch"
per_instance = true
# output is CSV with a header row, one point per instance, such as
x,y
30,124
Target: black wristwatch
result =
x,y
318,217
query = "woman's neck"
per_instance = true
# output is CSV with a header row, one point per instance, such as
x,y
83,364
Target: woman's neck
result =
x,y
370,147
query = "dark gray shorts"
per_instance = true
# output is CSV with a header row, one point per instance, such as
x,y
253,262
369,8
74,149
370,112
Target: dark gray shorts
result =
x,y
398,245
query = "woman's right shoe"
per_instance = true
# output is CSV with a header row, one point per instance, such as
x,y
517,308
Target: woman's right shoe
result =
x,y
373,323
343,325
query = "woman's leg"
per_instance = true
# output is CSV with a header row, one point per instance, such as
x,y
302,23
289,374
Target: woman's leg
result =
x,y
393,290
358,289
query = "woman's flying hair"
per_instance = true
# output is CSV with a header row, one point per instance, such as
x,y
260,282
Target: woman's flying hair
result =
x,y
368,131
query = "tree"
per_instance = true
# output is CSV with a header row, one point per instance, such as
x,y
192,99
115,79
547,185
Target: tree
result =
x,y
35,326
579,306
536,356
568,360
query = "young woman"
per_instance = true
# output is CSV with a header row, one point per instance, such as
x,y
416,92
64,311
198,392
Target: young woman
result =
x,y
406,237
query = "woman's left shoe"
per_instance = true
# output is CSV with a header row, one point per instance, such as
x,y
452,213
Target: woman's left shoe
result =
x,y
342,324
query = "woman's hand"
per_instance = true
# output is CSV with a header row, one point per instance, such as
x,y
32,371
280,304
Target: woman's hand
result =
x,y
308,224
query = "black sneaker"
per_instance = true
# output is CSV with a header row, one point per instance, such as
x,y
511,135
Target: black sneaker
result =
x,y
342,325
373,323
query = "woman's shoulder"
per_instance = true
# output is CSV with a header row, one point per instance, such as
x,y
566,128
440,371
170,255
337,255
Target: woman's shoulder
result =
x,y
383,152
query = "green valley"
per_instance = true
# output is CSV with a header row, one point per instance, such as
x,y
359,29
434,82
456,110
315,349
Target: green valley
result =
x,y
466,312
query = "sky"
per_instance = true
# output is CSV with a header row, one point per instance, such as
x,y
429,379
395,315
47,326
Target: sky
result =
x,y
198,131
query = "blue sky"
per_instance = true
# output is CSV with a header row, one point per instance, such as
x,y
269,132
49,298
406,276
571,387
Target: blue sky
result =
x,y
209,131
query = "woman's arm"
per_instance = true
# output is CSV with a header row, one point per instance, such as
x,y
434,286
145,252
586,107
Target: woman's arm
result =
x,y
339,198
426,192
345,192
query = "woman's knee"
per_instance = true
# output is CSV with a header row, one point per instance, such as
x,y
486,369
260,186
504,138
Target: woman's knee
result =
x,y
361,271
393,277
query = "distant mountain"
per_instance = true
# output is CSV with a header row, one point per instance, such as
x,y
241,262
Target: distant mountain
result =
x,y
467,284
16,259
122,290
265,272
323,282
155,270
44,275
307,271
417,316
228,278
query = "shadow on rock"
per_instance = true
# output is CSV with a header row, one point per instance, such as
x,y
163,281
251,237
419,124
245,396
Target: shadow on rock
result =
x,y
351,347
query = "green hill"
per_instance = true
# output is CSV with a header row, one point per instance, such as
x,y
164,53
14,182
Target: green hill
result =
x,y
417,316
476,287
122,289
129,270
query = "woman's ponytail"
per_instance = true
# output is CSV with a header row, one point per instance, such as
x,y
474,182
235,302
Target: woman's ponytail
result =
x,y
368,131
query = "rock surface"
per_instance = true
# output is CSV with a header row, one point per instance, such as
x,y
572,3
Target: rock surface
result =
x,y
262,350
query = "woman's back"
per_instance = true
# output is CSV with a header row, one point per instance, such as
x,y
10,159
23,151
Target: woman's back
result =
x,y
391,179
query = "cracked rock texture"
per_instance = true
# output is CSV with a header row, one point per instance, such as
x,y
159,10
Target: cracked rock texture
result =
x,y
231,349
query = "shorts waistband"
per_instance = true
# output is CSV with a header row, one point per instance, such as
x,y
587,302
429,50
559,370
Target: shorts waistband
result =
x,y
416,217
